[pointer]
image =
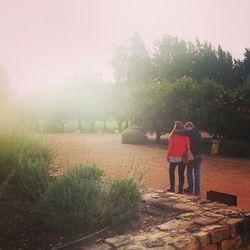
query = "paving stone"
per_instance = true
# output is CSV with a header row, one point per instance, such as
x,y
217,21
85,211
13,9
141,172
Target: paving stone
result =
x,y
150,196
160,191
152,236
212,205
217,204
214,215
205,220
175,194
155,243
211,228
188,216
204,201
184,200
172,198
119,240
186,207
165,202
175,225
207,208
186,242
193,198
228,212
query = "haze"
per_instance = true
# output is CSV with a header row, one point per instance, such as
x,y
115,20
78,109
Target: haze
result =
x,y
46,42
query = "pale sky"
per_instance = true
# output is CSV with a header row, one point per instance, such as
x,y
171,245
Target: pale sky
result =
x,y
45,42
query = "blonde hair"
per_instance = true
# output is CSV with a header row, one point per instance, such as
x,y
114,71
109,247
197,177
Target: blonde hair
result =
x,y
177,125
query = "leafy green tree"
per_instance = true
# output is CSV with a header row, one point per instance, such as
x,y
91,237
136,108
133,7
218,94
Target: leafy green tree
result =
x,y
225,73
156,107
121,104
149,108
170,58
233,114
132,63
174,58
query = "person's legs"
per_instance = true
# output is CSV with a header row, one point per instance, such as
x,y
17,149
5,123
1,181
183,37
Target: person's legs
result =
x,y
197,170
181,169
190,168
172,167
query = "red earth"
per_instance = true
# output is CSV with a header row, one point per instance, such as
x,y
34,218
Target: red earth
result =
x,y
222,174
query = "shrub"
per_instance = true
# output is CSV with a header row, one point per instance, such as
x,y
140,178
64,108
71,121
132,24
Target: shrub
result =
x,y
133,136
86,172
34,178
124,199
73,201
18,152
234,148
80,200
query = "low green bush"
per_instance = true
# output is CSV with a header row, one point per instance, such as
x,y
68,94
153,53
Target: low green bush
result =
x,y
33,178
81,200
86,172
20,152
124,199
73,201
133,136
234,148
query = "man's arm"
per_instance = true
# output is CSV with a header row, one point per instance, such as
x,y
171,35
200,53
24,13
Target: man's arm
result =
x,y
182,132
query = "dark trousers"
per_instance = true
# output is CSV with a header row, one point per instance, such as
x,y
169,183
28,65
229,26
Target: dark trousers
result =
x,y
194,167
181,168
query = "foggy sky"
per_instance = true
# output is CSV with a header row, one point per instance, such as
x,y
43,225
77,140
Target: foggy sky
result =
x,y
45,42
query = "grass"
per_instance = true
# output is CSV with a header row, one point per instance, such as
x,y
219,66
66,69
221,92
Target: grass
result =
x,y
25,159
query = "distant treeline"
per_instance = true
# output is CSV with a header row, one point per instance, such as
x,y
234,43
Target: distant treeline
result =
x,y
176,80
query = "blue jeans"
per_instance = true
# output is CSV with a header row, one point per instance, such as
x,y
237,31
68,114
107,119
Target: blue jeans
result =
x,y
195,167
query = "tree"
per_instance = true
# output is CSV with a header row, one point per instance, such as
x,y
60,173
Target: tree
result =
x,y
132,63
149,108
157,106
170,58
233,114
225,73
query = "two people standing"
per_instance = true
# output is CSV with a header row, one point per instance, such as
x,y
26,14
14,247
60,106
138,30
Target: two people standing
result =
x,y
181,139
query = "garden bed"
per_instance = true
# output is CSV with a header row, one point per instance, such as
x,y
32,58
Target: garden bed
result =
x,y
20,229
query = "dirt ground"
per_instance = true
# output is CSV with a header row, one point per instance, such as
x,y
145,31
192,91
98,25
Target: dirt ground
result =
x,y
222,174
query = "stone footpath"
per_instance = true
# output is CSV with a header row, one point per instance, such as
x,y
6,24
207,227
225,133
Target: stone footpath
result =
x,y
203,225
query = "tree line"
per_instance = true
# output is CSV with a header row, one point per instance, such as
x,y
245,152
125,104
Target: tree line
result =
x,y
175,80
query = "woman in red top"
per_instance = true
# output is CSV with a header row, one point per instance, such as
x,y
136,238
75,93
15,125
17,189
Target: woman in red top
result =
x,y
176,154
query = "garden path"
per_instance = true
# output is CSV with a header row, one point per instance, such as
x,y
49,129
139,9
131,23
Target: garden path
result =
x,y
223,174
